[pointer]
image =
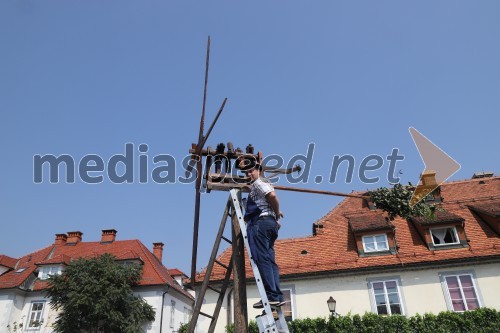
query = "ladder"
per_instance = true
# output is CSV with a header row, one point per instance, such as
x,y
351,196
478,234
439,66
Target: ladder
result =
x,y
266,321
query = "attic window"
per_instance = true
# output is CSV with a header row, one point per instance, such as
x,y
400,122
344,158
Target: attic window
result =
x,y
20,270
444,231
373,233
304,252
444,236
47,271
375,243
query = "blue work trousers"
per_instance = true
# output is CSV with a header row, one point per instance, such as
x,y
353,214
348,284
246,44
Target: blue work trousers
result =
x,y
264,233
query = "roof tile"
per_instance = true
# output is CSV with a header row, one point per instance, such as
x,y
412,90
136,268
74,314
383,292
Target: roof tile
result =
x,y
334,249
154,272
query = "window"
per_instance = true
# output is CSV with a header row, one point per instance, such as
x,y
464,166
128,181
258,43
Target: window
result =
x,y
172,313
46,271
444,236
386,297
187,315
35,317
375,243
461,292
287,307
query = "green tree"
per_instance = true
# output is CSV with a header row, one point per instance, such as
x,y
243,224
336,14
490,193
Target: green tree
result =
x,y
95,295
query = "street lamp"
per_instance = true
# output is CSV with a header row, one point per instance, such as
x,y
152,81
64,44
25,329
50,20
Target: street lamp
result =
x,y
332,304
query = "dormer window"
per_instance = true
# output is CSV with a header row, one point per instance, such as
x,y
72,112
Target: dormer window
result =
x,y
489,212
375,243
46,271
443,231
444,236
374,234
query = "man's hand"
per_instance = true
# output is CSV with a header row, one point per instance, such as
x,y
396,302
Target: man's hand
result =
x,y
278,217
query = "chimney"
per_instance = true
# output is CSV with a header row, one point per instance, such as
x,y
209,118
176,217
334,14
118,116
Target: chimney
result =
x,y
60,239
158,250
108,235
74,237
429,178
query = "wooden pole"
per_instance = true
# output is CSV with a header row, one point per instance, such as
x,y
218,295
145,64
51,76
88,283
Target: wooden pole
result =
x,y
240,292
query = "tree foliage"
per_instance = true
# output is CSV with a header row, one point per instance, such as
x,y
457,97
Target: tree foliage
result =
x,y
95,295
396,202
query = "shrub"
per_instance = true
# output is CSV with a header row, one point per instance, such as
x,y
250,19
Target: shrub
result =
x,y
483,320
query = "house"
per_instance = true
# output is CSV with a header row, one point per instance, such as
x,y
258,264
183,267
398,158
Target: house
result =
x,y
369,263
22,285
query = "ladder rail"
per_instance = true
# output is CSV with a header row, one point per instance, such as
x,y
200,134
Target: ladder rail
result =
x,y
220,299
206,280
266,321
268,313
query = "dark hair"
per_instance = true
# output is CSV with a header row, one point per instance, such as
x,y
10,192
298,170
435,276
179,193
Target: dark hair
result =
x,y
248,163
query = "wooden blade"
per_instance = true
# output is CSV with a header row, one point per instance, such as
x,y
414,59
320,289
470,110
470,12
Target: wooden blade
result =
x,y
198,174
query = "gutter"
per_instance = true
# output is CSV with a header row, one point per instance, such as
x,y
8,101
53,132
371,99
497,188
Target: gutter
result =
x,y
228,308
163,306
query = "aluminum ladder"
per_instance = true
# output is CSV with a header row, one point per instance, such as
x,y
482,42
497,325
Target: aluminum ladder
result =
x,y
266,321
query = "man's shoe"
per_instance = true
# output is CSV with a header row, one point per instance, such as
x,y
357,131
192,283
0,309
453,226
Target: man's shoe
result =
x,y
276,304
258,305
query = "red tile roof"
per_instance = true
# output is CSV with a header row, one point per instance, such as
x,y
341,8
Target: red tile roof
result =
x,y
334,249
154,272
176,272
7,261
368,222
440,217
489,208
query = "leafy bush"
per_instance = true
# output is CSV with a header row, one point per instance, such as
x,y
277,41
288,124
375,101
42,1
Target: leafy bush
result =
x,y
183,328
396,202
483,320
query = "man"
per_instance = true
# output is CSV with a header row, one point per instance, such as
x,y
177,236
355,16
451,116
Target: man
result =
x,y
262,215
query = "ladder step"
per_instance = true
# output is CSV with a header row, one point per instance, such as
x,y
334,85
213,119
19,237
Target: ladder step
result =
x,y
221,264
206,315
227,240
214,289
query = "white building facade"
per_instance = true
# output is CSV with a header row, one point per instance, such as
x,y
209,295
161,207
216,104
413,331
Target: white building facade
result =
x,y
368,263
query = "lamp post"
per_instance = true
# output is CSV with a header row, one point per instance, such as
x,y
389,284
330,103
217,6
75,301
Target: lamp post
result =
x,y
332,304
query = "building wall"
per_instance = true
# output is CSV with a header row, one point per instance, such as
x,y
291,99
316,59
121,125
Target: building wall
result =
x,y
421,291
170,323
16,307
11,304
6,305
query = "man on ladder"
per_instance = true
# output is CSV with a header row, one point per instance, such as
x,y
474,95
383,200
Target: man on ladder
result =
x,y
262,215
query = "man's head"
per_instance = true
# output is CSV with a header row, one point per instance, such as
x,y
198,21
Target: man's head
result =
x,y
251,168
253,172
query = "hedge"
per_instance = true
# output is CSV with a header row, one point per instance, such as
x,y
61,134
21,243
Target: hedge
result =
x,y
483,320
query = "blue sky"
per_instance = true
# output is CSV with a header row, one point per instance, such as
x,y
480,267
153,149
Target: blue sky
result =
x,y
87,77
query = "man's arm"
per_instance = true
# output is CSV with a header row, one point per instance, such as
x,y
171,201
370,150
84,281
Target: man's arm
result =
x,y
272,199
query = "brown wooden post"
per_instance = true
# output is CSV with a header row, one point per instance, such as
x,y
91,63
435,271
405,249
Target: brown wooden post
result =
x,y
240,292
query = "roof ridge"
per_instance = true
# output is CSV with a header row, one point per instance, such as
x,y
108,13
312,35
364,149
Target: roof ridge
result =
x,y
470,180
36,251
174,283
147,253
331,211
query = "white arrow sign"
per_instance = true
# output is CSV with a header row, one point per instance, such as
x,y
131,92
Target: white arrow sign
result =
x,y
435,160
